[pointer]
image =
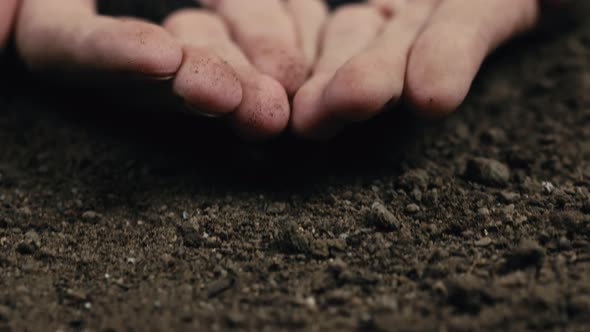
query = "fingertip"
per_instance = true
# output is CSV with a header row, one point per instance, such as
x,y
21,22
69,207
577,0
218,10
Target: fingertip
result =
x,y
436,81
308,119
284,64
207,83
264,112
359,90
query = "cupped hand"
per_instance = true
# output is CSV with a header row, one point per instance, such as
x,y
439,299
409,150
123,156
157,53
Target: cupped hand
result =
x,y
424,52
241,64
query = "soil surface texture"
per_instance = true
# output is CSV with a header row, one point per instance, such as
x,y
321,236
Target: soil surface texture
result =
x,y
121,220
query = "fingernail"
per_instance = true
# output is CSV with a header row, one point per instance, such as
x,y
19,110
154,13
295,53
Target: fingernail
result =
x,y
193,110
158,78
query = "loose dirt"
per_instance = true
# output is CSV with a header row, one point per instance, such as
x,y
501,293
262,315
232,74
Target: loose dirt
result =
x,y
113,220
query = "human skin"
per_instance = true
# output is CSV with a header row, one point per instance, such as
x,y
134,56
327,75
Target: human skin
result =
x,y
247,85
7,16
425,53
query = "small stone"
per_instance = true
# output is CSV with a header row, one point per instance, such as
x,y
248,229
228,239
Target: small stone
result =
x,y
76,295
416,194
484,242
91,216
185,215
379,216
509,209
515,279
483,211
564,243
416,178
507,197
412,208
293,239
310,303
33,238
190,236
487,171
548,187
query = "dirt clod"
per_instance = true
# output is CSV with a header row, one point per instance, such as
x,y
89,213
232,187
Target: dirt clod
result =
x,y
293,239
487,171
91,216
528,254
218,287
379,216
170,223
190,236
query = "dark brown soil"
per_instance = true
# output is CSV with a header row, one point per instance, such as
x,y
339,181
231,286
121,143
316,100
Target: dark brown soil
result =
x,y
114,221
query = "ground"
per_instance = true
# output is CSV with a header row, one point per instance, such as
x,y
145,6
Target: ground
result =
x,y
114,220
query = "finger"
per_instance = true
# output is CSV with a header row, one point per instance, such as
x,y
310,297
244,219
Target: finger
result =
x,y
8,9
367,82
71,36
264,108
347,33
449,52
309,17
266,33
206,82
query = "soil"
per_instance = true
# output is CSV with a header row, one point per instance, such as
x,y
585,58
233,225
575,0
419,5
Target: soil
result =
x,y
113,220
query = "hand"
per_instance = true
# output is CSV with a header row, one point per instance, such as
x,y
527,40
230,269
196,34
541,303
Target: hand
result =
x,y
192,49
426,52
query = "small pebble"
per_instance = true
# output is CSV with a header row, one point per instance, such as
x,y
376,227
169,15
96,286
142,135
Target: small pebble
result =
x,y
379,216
507,197
412,208
548,187
483,211
483,242
91,216
310,303
33,238
487,171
